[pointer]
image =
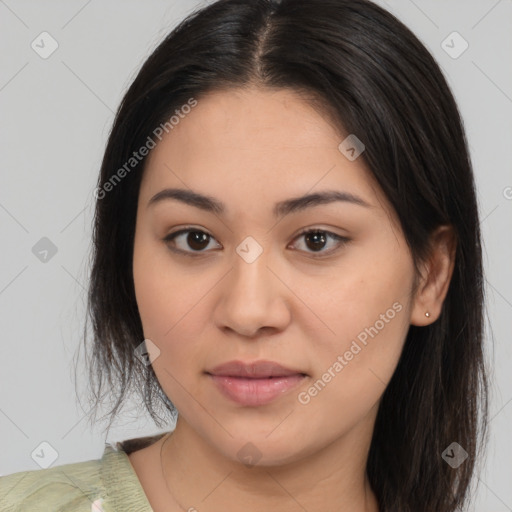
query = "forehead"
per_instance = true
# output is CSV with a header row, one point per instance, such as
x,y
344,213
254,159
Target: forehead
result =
x,y
255,143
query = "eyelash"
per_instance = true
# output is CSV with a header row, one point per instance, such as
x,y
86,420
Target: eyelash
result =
x,y
342,241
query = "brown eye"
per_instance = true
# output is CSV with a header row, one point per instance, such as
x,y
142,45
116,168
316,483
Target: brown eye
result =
x,y
196,240
193,239
317,239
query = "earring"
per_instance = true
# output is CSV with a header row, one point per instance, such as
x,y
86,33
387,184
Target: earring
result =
x,y
427,314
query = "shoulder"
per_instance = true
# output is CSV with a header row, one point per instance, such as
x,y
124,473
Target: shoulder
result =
x,y
106,484
73,487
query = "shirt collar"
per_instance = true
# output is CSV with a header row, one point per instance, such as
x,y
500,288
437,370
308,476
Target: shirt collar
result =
x,y
123,490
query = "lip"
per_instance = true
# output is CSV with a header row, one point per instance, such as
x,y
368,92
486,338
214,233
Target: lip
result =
x,y
255,369
256,383
254,392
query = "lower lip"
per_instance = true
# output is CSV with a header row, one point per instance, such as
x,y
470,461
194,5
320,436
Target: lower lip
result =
x,y
255,391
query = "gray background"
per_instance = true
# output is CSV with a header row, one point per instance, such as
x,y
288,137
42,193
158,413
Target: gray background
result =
x,y
56,114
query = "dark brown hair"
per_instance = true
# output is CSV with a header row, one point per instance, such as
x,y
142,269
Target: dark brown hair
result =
x,y
379,82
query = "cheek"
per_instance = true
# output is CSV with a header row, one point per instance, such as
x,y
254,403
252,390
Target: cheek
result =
x,y
171,321
173,311
366,310
352,368
152,297
160,287
167,311
356,293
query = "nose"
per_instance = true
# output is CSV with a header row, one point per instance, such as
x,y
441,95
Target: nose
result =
x,y
253,298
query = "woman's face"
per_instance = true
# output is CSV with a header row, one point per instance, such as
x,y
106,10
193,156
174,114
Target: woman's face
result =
x,y
249,286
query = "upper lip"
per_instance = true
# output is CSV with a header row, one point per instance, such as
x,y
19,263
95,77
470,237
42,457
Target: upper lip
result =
x,y
256,369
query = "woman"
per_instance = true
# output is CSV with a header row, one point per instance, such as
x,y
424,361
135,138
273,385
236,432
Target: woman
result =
x,y
287,259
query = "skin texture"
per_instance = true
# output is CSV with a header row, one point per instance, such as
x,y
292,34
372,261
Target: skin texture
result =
x,y
250,149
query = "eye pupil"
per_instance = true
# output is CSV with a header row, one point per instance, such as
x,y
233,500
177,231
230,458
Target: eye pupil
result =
x,y
197,237
318,238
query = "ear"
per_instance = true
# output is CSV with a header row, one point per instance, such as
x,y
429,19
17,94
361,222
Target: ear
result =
x,y
435,277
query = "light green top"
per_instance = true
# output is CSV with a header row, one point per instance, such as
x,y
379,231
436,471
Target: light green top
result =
x,y
108,484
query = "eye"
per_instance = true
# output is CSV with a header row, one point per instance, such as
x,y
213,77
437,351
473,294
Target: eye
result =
x,y
195,238
198,240
317,239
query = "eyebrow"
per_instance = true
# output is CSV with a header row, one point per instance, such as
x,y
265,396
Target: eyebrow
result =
x,y
296,204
